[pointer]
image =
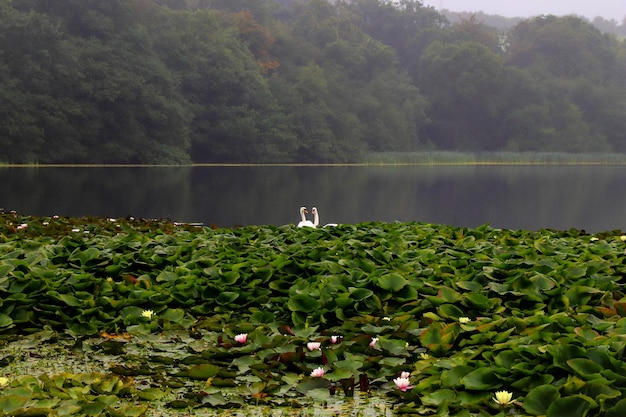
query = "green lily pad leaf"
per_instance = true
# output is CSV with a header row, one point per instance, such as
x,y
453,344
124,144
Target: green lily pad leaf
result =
x,y
5,269
85,256
70,300
619,410
133,410
350,364
542,282
150,394
450,311
106,385
391,362
302,302
175,315
470,286
448,295
575,272
243,363
202,371
11,402
477,300
438,397
5,321
307,384
395,347
392,282
481,379
599,391
451,378
83,329
167,276
544,248
506,358
93,408
584,367
439,338
215,400
360,294
230,277
540,398
581,295
178,404
572,406
339,374
48,403
320,395
68,408
226,297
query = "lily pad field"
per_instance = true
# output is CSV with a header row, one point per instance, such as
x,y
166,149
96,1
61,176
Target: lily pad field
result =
x,y
133,317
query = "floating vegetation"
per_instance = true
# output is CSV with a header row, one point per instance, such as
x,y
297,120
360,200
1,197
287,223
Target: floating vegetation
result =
x,y
145,317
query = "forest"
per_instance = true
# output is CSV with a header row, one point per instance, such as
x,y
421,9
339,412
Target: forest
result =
x,y
298,81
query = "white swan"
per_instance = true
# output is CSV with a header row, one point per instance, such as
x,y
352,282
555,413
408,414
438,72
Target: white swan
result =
x,y
316,219
304,222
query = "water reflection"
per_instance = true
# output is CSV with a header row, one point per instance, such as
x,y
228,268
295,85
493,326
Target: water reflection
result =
x,y
527,197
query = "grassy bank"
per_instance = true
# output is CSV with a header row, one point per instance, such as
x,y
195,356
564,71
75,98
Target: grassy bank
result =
x,y
443,157
138,317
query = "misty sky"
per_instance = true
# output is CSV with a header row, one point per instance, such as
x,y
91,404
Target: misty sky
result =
x,y
609,9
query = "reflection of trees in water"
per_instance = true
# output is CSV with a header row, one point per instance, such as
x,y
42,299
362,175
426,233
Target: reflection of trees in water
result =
x,y
140,192
528,197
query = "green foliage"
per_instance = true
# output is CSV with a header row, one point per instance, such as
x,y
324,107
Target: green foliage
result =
x,y
465,312
310,81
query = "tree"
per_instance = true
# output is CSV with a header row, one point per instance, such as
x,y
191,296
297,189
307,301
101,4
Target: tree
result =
x,y
564,47
463,83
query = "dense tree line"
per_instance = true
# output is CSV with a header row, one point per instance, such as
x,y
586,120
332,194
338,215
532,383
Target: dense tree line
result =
x,y
179,81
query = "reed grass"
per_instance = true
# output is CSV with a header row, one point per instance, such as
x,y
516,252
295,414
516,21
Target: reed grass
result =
x,y
486,158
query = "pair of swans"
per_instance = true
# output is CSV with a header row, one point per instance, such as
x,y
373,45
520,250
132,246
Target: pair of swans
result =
x,y
316,218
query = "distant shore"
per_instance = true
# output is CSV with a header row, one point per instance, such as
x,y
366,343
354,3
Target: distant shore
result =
x,y
406,158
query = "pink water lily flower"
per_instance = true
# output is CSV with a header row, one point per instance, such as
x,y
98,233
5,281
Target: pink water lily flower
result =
x,y
241,338
373,341
314,346
405,375
334,339
403,384
317,372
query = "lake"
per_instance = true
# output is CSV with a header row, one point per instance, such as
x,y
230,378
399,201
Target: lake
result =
x,y
589,197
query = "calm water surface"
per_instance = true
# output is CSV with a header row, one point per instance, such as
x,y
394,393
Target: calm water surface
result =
x,y
516,197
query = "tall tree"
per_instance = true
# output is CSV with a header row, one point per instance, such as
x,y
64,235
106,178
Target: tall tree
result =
x,y
463,84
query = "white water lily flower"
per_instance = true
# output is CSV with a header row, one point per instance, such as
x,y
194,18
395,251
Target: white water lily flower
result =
x,y
147,314
503,397
314,346
464,320
403,384
424,355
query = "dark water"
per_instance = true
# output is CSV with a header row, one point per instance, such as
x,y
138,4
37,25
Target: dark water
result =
x,y
516,197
